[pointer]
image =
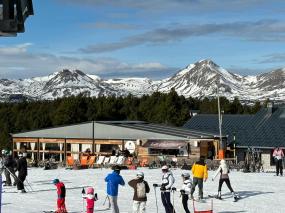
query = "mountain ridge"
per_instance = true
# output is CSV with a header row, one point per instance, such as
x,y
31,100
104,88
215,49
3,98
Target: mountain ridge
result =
x,y
200,79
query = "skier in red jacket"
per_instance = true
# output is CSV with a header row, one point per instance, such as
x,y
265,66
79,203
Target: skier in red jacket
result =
x,y
60,188
90,199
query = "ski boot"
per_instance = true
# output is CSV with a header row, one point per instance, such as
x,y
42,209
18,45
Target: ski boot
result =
x,y
219,195
236,196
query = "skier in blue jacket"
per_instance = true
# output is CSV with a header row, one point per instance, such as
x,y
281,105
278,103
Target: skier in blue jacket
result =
x,y
113,180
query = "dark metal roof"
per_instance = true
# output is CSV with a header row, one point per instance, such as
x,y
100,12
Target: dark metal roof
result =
x,y
264,129
118,130
158,128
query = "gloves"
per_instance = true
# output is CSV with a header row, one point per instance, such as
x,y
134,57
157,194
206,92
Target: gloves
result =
x,y
182,191
212,179
95,196
173,189
83,191
162,188
155,185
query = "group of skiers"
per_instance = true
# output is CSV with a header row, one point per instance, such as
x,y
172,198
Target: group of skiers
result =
x,y
141,187
10,166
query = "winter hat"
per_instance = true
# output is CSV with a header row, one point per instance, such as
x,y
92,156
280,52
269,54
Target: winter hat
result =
x,y
116,168
55,181
222,162
165,167
185,175
140,174
90,190
25,154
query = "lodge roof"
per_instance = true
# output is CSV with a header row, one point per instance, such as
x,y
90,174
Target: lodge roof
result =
x,y
265,129
117,130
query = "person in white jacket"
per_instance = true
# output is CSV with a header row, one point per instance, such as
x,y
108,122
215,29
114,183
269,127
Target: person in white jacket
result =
x,y
186,190
224,177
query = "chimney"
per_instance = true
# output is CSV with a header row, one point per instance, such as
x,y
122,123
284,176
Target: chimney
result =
x,y
270,107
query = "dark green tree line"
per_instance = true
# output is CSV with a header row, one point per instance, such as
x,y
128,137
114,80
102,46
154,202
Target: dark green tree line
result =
x,y
163,108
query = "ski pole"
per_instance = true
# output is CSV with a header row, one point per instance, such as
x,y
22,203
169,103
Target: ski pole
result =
x,y
14,176
83,192
29,185
173,198
155,199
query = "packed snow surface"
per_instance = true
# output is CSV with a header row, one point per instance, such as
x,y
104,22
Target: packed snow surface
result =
x,y
260,192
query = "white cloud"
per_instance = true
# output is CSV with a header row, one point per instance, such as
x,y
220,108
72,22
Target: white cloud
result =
x,y
15,50
18,62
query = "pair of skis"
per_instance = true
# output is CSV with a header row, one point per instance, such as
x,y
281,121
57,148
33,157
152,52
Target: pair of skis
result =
x,y
236,197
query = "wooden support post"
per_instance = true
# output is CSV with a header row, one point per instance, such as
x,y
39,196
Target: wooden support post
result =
x,y
65,151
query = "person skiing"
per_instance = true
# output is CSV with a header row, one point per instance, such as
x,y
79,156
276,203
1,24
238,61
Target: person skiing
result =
x,y
224,177
185,190
10,165
278,155
113,180
141,188
90,199
165,188
22,168
200,173
61,192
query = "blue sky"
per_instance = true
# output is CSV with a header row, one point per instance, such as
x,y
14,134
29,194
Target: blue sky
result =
x,y
146,38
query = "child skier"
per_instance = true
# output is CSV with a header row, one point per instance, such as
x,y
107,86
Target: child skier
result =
x,y
185,190
90,199
60,188
224,177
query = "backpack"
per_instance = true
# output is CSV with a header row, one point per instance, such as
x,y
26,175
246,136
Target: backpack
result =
x,y
141,191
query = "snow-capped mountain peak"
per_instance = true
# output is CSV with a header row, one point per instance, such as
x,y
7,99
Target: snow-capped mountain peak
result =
x,y
200,79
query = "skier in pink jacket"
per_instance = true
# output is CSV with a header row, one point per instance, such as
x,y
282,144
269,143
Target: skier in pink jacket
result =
x,y
90,199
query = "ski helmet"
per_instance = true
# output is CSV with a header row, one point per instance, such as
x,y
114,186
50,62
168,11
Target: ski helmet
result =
x,y
164,168
90,190
140,174
55,181
185,175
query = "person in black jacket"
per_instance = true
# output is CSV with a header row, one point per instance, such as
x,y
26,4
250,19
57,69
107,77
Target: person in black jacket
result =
x,y
22,168
10,165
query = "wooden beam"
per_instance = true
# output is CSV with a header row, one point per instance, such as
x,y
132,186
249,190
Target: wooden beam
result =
x,y
79,141
51,140
113,142
25,140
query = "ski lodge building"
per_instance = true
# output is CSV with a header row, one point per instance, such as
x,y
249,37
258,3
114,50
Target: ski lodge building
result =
x,y
262,131
143,139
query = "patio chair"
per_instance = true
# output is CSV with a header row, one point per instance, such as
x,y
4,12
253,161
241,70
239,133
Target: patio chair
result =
x,y
120,161
91,161
113,160
106,161
84,161
99,162
144,162
69,162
